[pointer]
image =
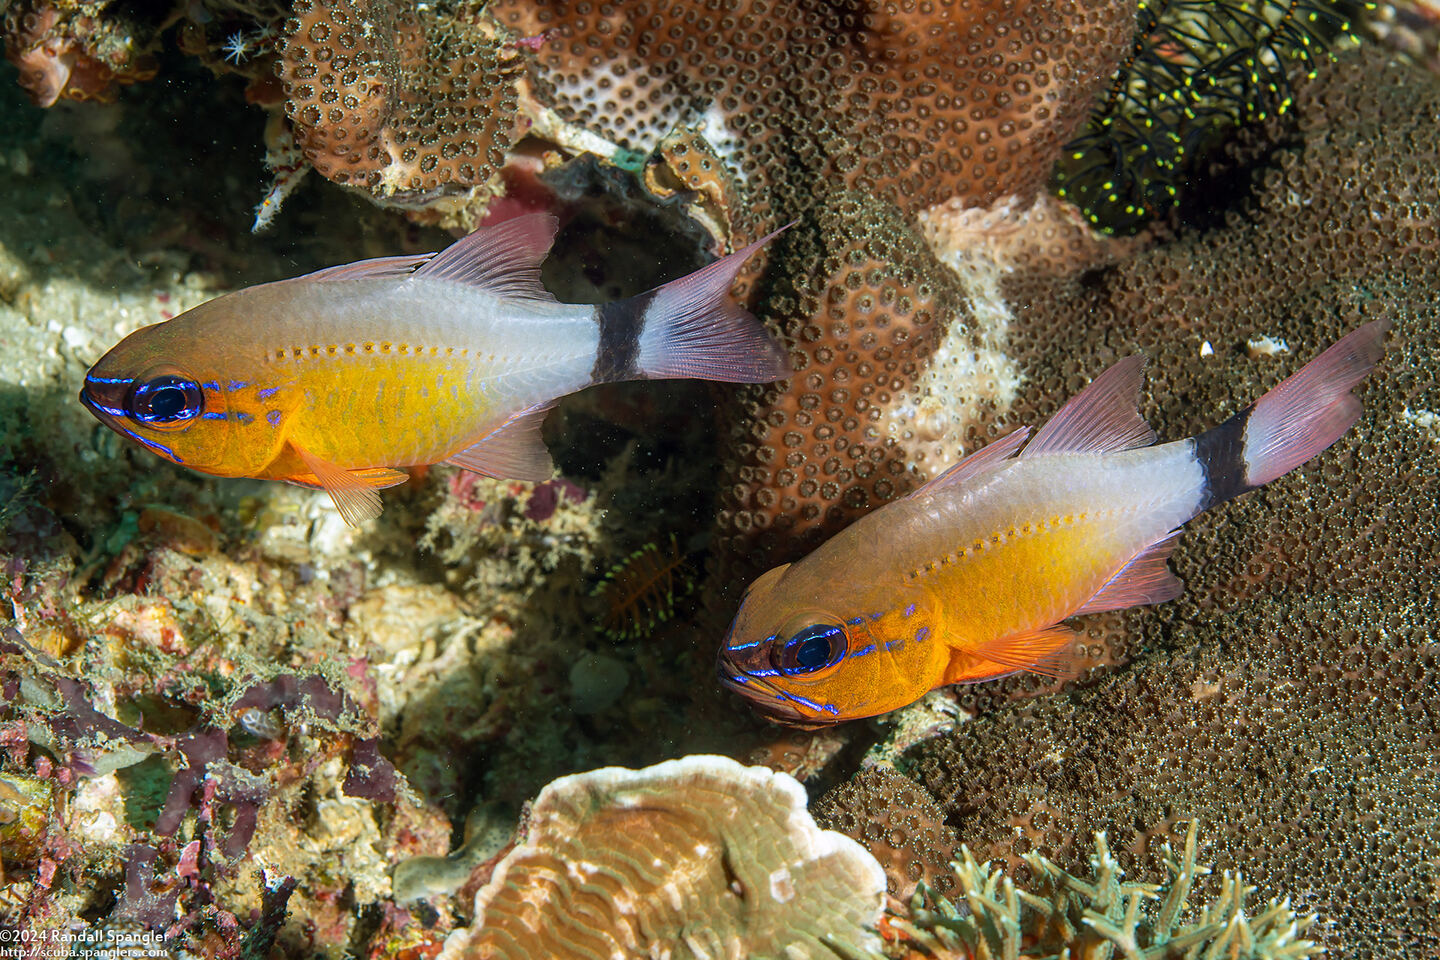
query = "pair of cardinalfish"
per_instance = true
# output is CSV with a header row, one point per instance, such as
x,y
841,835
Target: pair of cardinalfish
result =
x,y
338,379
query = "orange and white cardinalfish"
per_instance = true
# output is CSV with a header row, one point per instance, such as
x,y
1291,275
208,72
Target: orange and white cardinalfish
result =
x,y
970,577
338,378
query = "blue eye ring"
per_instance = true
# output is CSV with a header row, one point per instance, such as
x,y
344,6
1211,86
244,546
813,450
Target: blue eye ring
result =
x,y
164,400
811,650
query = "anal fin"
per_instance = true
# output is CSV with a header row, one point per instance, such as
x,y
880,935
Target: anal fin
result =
x,y
353,491
513,451
1048,651
1144,580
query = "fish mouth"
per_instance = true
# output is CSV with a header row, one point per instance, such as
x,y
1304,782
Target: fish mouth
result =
x,y
766,698
105,400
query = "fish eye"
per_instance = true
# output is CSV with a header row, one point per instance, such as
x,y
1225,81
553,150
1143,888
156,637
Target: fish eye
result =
x,y
166,399
816,647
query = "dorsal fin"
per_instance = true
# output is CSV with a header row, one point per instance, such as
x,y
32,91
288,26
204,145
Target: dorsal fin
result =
x,y
378,268
1002,449
1105,416
513,451
503,260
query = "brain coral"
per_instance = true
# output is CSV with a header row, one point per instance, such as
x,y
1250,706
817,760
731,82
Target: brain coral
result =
x,y
698,857
1287,699
854,118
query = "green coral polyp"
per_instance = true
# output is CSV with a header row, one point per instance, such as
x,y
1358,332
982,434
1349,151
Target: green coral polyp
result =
x,y
1069,917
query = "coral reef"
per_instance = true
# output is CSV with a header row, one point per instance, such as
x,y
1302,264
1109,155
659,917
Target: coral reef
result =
x,y
698,857
207,678
1283,699
1065,915
77,50
899,823
403,106
860,118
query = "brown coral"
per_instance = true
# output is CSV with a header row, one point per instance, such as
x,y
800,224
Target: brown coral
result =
x,y
853,118
385,100
1286,698
901,825
698,857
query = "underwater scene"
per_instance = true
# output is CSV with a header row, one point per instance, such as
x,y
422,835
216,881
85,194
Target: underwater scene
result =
x,y
796,479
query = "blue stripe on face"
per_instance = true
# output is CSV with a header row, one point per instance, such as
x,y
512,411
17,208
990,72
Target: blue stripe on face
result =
x,y
864,650
744,646
215,416
159,448
211,384
242,417
113,411
910,610
856,622
91,378
922,634
267,393
237,384
273,418
805,702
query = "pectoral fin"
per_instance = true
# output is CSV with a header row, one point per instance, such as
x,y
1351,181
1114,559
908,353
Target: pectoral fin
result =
x,y
352,490
1049,651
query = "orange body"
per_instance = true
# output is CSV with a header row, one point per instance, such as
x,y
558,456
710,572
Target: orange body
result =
x,y
337,378
971,577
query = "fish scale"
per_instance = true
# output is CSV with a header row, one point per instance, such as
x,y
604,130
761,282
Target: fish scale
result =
x,y
972,576
337,378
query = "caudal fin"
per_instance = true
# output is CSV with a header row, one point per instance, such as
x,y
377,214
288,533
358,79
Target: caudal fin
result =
x,y
691,327
1298,419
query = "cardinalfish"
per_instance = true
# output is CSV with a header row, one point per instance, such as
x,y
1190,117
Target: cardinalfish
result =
x,y
970,577
337,379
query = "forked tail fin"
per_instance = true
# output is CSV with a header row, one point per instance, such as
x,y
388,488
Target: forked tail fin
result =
x,y
690,327
1299,418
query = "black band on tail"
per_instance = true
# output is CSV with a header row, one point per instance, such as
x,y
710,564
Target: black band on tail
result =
x,y
621,323
1221,452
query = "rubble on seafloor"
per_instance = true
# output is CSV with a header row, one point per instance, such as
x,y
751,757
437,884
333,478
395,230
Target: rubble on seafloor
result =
x,y
230,718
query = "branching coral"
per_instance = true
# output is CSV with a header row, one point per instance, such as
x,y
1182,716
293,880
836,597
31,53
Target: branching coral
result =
x,y
1097,918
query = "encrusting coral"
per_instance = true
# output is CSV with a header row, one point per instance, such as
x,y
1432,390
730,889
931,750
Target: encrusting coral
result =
x,y
1099,917
698,857
899,823
1284,699
852,119
382,98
